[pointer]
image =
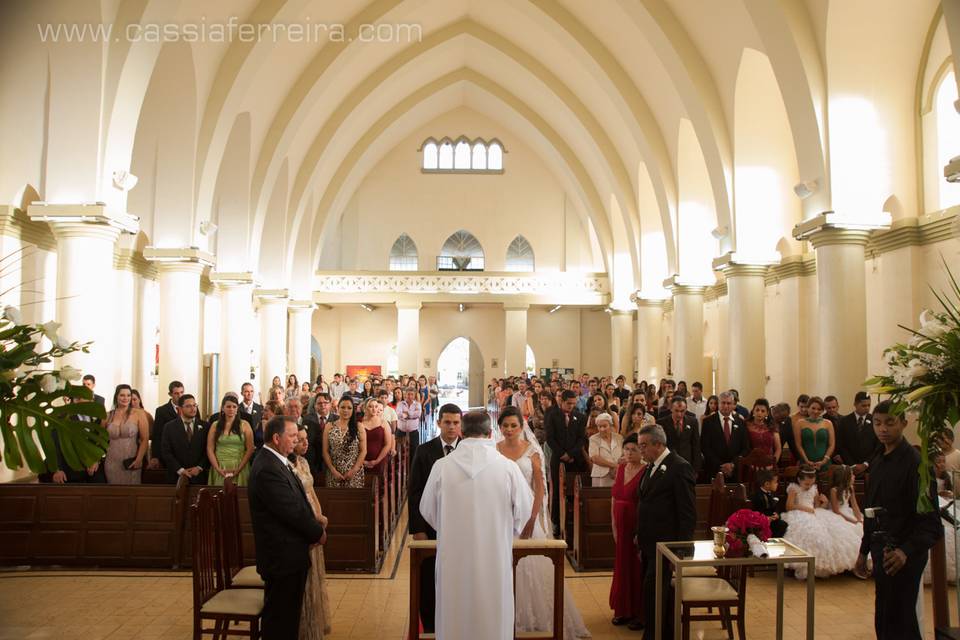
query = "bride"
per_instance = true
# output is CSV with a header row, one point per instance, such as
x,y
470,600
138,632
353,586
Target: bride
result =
x,y
534,579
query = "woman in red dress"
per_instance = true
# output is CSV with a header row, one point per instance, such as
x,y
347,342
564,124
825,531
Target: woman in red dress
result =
x,y
626,591
379,437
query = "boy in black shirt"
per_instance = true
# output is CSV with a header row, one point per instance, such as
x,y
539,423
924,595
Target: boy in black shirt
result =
x,y
766,502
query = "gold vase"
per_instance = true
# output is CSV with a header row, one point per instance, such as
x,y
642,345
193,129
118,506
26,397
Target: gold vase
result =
x,y
719,541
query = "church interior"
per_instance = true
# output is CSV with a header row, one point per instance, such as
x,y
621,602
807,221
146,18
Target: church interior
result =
x,y
752,194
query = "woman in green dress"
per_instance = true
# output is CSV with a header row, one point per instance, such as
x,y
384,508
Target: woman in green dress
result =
x,y
229,445
816,436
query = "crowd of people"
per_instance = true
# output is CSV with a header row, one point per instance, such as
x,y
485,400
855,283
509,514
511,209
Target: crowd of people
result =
x,y
620,435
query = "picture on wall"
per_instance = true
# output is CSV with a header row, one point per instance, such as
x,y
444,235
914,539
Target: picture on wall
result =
x,y
362,372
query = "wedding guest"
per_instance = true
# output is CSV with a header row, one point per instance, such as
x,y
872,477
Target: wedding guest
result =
x,y
344,448
942,475
636,418
856,441
277,394
626,589
389,413
163,414
379,437
697,404
606,449
129,434
724,440
781,417
540,410
815,436
666,511
408,420
765,501
713,406
315,421
337,387
762,430
284,529
315,616
683,433
185,443
229,445
567,439
900,555
252,412
802,401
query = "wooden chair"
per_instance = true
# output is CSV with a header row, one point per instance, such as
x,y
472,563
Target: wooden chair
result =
x,y
724,500
210,600
726,591
235,574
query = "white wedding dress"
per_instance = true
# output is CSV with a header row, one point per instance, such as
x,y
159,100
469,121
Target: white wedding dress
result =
x,y
534,585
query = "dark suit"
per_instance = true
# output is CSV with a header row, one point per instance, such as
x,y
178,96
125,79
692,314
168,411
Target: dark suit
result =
x,y
254,417
427,454
856,444
180,453
716,451
314,457
666,512
284,527
685,443
785,427
73,476
769,504
164,414
564,438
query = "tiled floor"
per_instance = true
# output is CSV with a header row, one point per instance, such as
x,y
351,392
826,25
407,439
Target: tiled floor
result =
x,y
95,605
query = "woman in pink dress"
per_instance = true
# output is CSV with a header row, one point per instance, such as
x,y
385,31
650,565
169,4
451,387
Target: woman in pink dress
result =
x,y
626,590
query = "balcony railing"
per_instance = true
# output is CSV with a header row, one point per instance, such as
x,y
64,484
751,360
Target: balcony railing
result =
x,y
459,263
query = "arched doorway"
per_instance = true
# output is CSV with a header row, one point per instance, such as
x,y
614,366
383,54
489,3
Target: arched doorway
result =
x,y
460,373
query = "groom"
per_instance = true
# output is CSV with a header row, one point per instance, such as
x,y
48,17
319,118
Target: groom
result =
x,y
478,501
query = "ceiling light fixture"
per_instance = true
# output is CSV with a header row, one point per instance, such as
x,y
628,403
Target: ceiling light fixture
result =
x,y
366,307
556,308
462,307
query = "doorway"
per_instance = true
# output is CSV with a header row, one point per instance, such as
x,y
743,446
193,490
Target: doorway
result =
x,y
460,373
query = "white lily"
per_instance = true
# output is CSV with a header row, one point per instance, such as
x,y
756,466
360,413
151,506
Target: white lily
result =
x,y
49,329
70,373
48,383
12,314
60,342
932,325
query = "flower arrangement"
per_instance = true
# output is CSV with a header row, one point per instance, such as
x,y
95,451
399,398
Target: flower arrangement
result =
x,y
33,399
741,525
923,378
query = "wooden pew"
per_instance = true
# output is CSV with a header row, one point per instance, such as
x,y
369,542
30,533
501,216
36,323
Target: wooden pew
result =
x,y
567,483
593,546
88,525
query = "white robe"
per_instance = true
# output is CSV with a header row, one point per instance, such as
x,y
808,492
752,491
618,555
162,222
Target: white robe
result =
x,y
478,501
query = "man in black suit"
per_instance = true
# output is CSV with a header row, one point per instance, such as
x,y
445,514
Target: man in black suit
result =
x,y
723,438
666,512
567,436
91,383
427,454
856,440
250,411
284,529
185,444
164,414
683,433
315,421
780,413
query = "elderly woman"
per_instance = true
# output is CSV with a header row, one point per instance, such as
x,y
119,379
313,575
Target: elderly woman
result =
x,y
606,449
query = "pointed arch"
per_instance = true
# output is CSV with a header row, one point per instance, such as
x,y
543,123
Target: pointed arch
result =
x,y
519,255
461,252
403,254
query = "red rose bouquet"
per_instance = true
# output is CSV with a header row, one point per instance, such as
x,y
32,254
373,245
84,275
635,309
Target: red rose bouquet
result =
x,y
744,523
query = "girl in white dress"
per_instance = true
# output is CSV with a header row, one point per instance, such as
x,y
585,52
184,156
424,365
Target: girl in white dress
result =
x,y
847,524
811,528
534,578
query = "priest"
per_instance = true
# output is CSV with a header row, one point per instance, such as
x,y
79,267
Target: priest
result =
x,y
478,501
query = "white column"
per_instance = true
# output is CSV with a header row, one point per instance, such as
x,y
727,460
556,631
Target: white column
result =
x,y
408,337
621,343
650,357
515,338
745,362
300,328
273,336
180,329
841,282
239,332
688,332
86,240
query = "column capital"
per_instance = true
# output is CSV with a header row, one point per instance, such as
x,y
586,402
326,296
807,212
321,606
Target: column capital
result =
x,y
678,287
733,265
91,219
620,312
266,297
644,303
179,259
299,306
830,228
229,280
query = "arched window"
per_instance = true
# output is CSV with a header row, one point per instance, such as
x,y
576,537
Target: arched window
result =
x,y
948,138
519,255
403,254
430,155
446,156
479,157
461,155
495,157
461,252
